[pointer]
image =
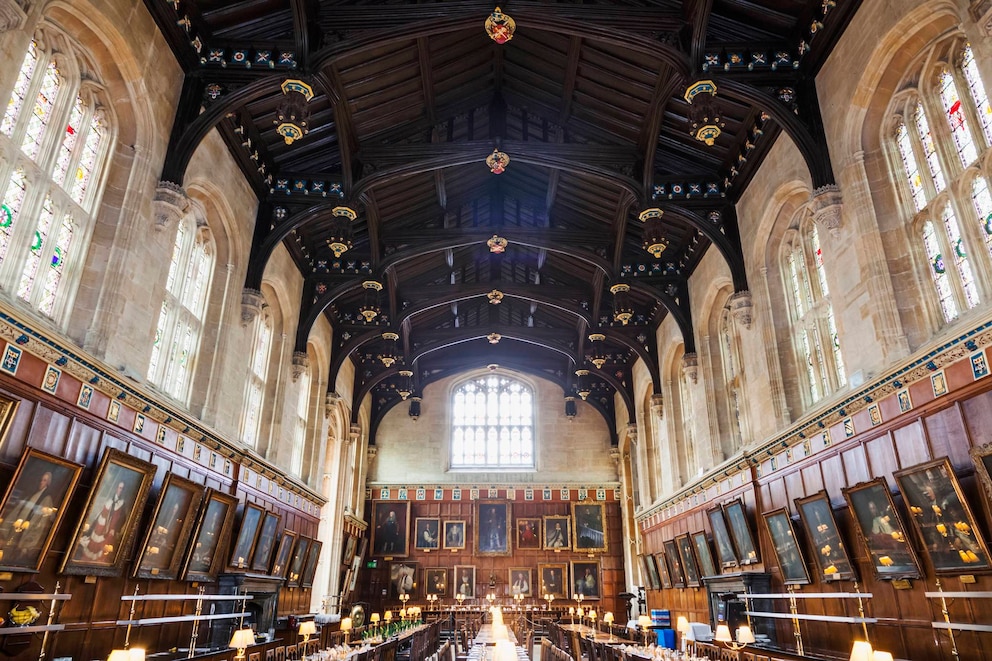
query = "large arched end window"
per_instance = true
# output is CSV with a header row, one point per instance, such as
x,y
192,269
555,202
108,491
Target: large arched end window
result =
x,y
814,329
54,139
261,347
941,129
492,424
181,320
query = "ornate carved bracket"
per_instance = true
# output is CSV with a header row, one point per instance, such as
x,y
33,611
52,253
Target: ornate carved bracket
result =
x,y
827,203
171,203
331,400
251,305
658,406
11,16
300,364
740,307
690,366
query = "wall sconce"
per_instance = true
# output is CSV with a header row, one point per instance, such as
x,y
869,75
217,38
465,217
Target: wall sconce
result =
x,y
744,636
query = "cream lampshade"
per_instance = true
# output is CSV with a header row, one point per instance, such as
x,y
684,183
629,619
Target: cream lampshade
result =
x,y
861,651
136,654
387,616
643,621
881,656
307,629
374,619
242,640
682,624
346,624
744,635
723,634
608,617
592,614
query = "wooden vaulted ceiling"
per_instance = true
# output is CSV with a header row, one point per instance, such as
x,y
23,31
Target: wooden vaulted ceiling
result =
x,y
586,100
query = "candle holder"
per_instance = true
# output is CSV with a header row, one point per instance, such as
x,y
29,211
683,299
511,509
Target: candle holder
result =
x,y
460,598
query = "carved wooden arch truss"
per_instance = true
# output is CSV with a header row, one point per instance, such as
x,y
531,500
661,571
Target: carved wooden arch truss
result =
x,y
586,113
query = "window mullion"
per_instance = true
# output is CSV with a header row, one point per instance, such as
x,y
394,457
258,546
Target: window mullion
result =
x,y
950,264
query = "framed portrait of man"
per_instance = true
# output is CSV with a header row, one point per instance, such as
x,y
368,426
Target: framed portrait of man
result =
x,y
663,573
261,558
829,551
589,525
650,569
688,558
528,534
454,535
105,531
350,544
280,564
207,553
465,580
436,581
519,580
390,528
942,518
706,565
788,553
32,508
882,531
554,579
585,579
674,563
251,519
982,456
492,528
740,532
427,534
557,532
725,553
310,566
296,563
161,554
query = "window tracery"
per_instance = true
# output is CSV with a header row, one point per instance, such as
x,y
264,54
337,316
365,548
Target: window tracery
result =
x,y
492,423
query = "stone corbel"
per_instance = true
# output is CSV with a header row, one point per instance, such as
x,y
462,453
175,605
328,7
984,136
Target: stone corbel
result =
x,y
632,432
658,406
251,305
370,454
827,203
331,400
300,364
690,366
12,16
740,307
615,455
171,203
353,433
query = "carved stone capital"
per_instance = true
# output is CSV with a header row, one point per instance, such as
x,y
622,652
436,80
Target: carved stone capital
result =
x,y
740,307
690,366
615,455
658,406
251,305
331,400
354,432
370,453
171,203
827,203
11,16
632,432
300,364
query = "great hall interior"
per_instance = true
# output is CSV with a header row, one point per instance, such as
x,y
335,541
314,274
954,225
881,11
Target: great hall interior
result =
x,y
333,322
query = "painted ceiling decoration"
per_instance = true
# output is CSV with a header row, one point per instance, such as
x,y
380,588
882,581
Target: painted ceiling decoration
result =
x,y
633,130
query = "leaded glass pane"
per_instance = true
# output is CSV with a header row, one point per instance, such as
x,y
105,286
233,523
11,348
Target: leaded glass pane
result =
x,y
11,207
956,119
938,271
492,423
68,142
21,85
252,410
929,150
797,297
960,257
835,346
35,249
160,329
912,169
814,391
87,160
977,91
983,206
177,253
42,112
56,266
821,273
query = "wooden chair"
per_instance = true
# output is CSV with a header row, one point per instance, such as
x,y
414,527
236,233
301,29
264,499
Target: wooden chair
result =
x,y
280,654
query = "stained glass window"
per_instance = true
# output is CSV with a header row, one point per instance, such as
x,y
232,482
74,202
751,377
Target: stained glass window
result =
x,y
835,346
56,266
977,91
912,169
956,119
929,150
35,249
821,273
20,92
938,271
256,379
68,142
13,199
87,160
983,206
814,389
300,426
42,111
960,257
492,424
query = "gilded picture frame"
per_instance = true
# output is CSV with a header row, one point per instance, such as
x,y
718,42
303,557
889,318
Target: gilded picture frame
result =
x,y
741,532
8,409
163,547
427,533
265,546
788,552
284,553
589,527
725,553
207,554
454,535
557,533
105,531
586,579
298,561
674,563
830,554
882,531
528,533
554,579
391,528
707,566
520,581
663,573
244,544
492,528
436,581
689,565
310,566
32,508
465,580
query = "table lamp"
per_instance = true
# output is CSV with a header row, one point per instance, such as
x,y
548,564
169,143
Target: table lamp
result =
x,y
346,628
608,619
307,629
861,651
136,654
242,640
592,618
744,636
682,626
643,622
374,621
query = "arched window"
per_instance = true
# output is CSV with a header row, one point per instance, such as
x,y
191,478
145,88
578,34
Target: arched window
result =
x,y
492,423
300,424
947,245
261,348
814,328
180,323
47,185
